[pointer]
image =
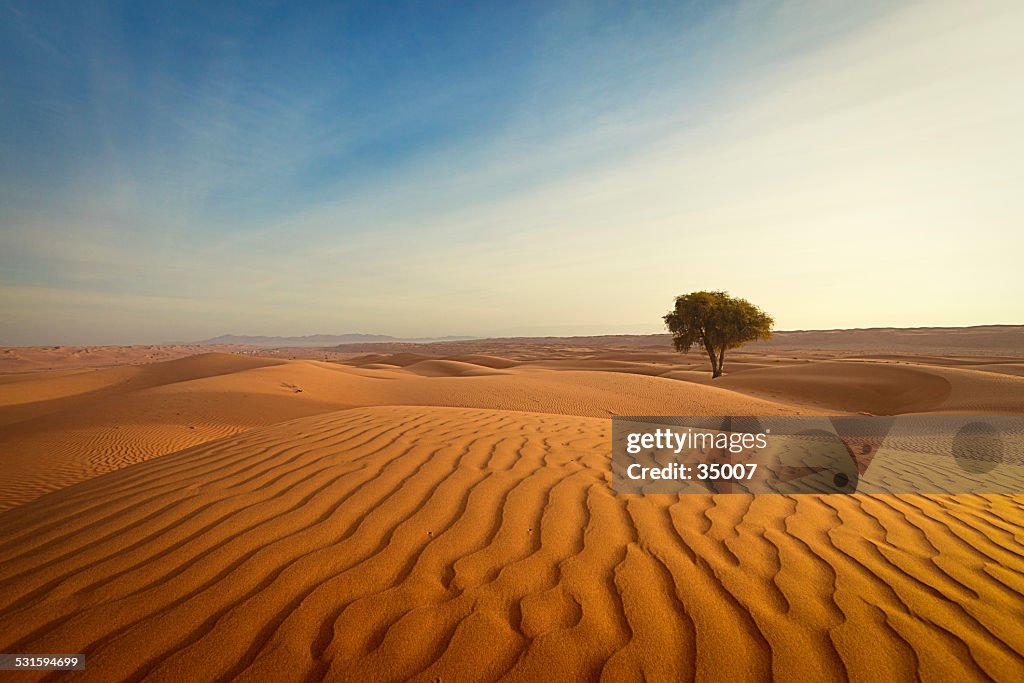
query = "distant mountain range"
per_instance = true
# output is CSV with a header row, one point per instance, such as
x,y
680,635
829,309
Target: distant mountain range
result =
x,y
320,339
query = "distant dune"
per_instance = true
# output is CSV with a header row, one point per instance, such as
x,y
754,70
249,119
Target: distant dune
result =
x,y
943,342
33,358
984,340
317,339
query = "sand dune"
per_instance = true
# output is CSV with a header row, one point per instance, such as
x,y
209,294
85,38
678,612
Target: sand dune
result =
x,y
36,358
883,388
487,361
451,368
874,388
449,543
60,428
1015,369
84,385
396,359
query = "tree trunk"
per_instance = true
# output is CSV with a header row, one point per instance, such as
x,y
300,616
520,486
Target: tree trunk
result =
x,y
715,370
721,361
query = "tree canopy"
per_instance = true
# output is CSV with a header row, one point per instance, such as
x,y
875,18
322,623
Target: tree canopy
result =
x,y
717,322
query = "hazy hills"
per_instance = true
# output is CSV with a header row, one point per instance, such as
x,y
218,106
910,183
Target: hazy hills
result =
x,y
319,339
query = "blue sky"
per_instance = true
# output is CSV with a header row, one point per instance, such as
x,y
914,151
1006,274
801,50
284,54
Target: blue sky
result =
x,y
172,171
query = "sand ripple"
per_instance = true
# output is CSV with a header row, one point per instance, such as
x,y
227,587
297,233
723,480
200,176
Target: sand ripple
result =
x,y
391,543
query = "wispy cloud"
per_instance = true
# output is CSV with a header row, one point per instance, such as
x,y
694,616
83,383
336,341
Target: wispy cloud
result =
x,y
840,169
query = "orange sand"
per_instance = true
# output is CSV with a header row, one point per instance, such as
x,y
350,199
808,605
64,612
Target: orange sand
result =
x,y
449,518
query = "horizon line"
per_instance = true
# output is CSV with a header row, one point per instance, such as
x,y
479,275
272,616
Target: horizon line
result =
x,y
426,339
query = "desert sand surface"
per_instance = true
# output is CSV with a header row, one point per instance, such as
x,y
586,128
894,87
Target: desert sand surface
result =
x,y
448,516
984,341
60,427
34,358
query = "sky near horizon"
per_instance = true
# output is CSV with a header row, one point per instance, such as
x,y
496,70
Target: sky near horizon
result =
x,y
174,171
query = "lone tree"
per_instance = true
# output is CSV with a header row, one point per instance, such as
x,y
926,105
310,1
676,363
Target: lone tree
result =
x,y
718,322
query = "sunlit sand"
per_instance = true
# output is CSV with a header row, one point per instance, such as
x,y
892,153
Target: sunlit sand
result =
x,y
395,515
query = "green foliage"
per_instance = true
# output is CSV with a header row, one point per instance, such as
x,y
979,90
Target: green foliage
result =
x,y
717,322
